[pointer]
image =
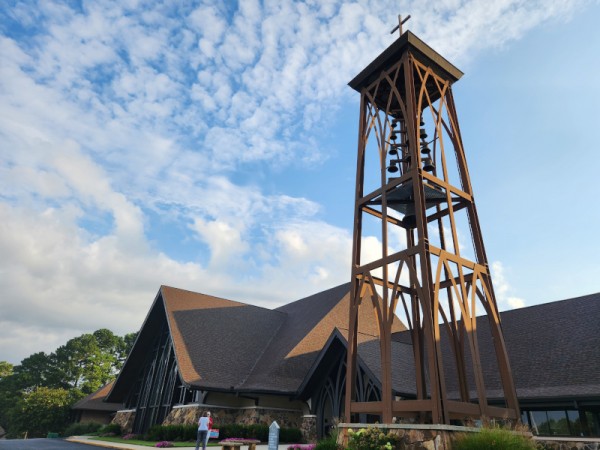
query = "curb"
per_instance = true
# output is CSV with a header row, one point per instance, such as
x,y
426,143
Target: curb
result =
x,y
104,444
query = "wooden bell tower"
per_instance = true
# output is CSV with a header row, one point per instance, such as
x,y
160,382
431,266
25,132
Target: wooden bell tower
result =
x,y
414,194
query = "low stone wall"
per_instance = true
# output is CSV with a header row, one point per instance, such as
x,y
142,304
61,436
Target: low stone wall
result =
x,y
189,414
414,436
566,443
125,420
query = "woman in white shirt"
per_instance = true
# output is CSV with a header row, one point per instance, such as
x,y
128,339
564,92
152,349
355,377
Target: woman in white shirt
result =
x,y
202,431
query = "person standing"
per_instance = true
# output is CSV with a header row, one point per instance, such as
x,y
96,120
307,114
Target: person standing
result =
x,y
210,426
202,431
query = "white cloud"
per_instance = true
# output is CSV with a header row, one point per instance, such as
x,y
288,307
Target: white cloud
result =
x,y
502,288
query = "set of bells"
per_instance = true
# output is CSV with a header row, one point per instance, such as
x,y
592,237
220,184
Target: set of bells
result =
x,y
401,197
400,147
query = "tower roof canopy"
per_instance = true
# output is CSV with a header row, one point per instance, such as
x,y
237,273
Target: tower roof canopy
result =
x,y
391,55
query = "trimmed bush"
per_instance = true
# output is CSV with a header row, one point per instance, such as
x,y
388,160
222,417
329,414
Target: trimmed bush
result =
x,y
287,435
493,438
171,433
80,429
372,439
232,430
257,431
113,429
329,443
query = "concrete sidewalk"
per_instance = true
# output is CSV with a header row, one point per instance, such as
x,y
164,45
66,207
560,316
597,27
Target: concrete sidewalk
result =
x,y
90,441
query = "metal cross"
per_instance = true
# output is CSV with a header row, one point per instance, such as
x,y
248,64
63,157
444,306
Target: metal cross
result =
x,y
400,23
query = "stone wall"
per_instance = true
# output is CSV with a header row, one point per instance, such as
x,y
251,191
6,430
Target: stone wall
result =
x,y
125,419
309,428
567,444
189,414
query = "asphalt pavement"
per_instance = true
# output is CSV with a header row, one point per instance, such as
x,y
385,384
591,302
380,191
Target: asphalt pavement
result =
x,y
85,443
42,444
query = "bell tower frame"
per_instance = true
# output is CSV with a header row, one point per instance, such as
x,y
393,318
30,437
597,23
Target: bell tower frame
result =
x,y
413,193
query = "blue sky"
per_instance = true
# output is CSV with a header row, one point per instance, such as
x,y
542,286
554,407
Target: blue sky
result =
x,y
212,146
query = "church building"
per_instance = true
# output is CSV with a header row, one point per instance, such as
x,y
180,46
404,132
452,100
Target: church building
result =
x,y
248,364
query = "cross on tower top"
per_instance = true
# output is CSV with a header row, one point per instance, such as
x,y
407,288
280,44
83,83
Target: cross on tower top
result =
x,y
400,23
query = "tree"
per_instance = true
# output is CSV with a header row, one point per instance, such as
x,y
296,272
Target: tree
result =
x,y
129,340
43,410
6,397
10,393
35,370
81,366
6,369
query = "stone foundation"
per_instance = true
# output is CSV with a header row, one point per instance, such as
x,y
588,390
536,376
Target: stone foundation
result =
x,y
414,436
567,443
125,419
309,428
189,414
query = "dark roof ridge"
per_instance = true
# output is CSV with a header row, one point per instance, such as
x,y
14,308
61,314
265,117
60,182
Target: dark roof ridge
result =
x,y
264,349
320,293
237,302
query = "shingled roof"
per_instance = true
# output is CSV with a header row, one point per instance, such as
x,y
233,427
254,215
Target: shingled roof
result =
x,y
95,401
225,345
308,326
217,341
553,348
231,346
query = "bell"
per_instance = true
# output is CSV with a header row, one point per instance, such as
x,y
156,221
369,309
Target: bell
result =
x,y
393,151
392,168
428,164
426,150
423,133
393,136
394,123
409,221
422,122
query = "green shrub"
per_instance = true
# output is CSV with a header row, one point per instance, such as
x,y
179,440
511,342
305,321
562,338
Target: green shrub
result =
x,y
493,438
171,433
257,431
287,435
190,433
329,443
111,429
372,439
232,430
154,433
82,428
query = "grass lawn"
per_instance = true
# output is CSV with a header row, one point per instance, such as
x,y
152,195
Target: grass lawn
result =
x,y
149,443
